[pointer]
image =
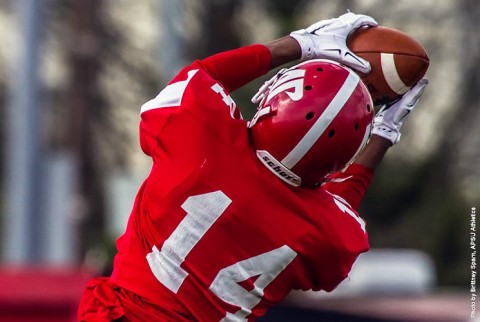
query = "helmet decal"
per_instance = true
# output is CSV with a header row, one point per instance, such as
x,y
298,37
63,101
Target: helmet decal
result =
x,y
291,79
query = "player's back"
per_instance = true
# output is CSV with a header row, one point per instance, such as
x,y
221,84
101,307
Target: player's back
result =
x,y
214,234
226,235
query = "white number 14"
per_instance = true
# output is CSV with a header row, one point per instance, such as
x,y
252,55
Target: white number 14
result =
x,y
202,212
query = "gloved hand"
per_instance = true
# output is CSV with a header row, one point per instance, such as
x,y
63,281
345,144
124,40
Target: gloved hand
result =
x,y
327,39
390,118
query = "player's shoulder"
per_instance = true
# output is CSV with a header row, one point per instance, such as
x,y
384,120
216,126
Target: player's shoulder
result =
x,y
347,211
342,219
193,77
347,229
174,93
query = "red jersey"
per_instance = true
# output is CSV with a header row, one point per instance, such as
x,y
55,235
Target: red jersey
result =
x,y
214,235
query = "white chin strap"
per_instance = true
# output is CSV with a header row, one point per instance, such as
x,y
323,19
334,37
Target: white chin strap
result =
x,y
278,169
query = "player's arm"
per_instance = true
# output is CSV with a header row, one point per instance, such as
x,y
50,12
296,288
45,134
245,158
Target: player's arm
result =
x,y
373,152
324,39
352,183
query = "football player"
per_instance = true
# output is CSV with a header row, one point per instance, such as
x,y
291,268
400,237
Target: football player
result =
x,y
235,214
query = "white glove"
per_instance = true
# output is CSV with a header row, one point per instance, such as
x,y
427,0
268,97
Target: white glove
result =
x,y
327,39
390,118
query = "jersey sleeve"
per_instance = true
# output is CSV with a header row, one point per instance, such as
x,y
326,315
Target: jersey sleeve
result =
x,y
235,68
350,184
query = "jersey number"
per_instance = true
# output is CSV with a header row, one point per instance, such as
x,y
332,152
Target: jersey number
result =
x,y
202,212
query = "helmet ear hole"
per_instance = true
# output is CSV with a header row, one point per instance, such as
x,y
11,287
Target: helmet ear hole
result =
x,y
331,133
310,115
356,126
308,87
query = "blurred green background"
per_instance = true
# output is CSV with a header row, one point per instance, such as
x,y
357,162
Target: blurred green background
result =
x,y
73,75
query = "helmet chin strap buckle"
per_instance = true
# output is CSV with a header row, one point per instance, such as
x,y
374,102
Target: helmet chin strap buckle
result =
x,y
278,168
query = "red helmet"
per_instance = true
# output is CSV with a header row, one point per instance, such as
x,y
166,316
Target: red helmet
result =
x,y
312,120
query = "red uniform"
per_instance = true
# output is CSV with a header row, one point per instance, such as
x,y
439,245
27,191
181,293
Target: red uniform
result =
x,y
213,234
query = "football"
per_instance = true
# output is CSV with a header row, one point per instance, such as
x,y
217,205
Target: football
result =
x,y
398,61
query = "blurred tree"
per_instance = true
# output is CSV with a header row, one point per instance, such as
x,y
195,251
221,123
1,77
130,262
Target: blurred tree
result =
x,y
217,34
422,204
464,127
286,13
87,107
97,47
